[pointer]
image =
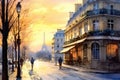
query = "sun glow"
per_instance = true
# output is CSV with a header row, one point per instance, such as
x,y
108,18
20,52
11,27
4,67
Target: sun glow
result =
x,y
47,17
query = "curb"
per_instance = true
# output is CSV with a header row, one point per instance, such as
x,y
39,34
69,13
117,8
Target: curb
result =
x,y
88,70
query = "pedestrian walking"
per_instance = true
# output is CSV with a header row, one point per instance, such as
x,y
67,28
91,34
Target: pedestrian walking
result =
x,y
21,62
32,63
60,60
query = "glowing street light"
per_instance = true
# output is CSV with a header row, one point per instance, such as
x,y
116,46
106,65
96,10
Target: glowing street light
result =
x,y
18,8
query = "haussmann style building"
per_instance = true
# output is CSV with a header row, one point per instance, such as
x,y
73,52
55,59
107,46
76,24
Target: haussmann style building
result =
x,y
57,45
92,35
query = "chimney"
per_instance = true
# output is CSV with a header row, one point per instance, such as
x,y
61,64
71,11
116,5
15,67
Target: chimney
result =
x,y
58,29
77,6
71,14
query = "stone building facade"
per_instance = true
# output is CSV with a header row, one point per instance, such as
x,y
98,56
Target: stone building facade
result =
x,y
57,44
92,35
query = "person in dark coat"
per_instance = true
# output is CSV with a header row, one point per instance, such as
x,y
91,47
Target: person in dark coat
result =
x,y
60,60
32,63
21,61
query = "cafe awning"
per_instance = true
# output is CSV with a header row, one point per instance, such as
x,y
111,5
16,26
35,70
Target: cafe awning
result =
x,y
67,49
76,42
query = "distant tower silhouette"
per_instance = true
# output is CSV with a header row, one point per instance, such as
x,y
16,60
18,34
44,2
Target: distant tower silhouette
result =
x,y
44,52
44,47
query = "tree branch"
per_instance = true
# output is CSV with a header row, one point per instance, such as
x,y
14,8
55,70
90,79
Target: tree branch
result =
x,y
12,4
11,16
12,24
6,12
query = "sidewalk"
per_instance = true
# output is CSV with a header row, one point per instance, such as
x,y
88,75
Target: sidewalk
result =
x,y
81,69
25,72
12,75
24,76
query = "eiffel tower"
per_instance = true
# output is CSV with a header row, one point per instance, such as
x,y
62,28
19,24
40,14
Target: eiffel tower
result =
x,y
44,52
44,47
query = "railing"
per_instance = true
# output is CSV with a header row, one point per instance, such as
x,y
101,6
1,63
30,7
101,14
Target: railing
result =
x,y
97,12
106,32
103,11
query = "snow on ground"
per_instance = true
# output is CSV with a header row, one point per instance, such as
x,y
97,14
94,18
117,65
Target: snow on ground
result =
x,y
48,71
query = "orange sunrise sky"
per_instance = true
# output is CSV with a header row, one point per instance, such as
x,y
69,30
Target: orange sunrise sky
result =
x,y
47,16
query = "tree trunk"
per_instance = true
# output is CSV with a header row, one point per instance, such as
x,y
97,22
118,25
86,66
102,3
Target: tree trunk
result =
x,y
4,59
15,44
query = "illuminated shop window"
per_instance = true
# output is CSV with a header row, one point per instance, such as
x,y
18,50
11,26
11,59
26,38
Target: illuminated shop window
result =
x,y
112,50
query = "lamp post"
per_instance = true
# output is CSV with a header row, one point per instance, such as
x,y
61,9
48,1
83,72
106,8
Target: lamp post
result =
x,y
18,8
12,60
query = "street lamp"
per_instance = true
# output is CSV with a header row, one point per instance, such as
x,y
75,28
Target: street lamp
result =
x,y
18,8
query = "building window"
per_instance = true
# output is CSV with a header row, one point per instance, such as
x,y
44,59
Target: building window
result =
x,y
57,40
86,27
95,50
95,6
110,24
110,7
58,46
112,52
95,25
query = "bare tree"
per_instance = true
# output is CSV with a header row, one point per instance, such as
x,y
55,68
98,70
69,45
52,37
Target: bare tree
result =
x,y
7,13
24,24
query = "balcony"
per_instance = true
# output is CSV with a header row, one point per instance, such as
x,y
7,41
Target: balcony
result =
x,y
106,32
103,11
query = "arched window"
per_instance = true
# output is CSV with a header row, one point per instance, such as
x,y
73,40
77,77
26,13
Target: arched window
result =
x,y
95,50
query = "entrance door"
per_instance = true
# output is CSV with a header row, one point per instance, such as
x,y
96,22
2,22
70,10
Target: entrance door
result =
x,y
95,52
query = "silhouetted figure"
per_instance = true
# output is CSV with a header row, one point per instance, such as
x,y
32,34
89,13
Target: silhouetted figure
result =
x,y
21,61
32,63
79,60
60,60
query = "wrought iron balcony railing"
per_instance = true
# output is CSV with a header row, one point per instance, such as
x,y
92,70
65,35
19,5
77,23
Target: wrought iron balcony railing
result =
x,y
103,11
106,32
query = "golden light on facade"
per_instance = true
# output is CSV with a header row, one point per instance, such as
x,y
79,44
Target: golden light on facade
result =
x,y
112,50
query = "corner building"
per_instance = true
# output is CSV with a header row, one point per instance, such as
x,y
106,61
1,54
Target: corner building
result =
x,y
92,35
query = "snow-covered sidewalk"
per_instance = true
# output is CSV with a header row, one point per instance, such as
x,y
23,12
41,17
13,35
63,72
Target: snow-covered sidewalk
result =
x,y
77,68
49,71
24,74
